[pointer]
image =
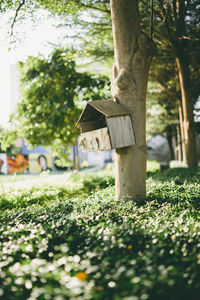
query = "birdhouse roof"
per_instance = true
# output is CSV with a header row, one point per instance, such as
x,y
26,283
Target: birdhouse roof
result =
x,y
109,108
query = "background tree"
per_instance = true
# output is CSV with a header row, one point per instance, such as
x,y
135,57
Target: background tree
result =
x,y
90,20
51,90
164,97
181,20
92,28
8,143
162,113
176,33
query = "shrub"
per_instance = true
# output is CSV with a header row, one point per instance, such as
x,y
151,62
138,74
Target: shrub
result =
x,y
97,248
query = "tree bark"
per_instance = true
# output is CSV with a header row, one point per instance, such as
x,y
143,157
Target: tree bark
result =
x,y
175,147
170,142
179,147
179,43
187,104
180,111
133,53
176,31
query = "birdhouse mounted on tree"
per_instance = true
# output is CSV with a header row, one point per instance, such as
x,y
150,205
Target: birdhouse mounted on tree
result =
x,y
105,125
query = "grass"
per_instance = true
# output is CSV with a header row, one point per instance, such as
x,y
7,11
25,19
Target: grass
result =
x,y
70,239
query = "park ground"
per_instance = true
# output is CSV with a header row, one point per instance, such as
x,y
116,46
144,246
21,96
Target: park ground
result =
x,y
63,236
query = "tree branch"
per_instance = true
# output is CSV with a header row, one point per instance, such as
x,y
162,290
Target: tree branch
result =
x,y
16,14
165,21
174,10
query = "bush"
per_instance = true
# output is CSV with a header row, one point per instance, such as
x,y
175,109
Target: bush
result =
x,y
96,182
97,248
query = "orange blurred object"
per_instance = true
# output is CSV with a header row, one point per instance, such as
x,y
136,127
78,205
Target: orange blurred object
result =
x,y
17,165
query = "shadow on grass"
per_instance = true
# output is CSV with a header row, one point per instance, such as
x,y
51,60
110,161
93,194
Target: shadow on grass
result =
x,y
178,186
178,175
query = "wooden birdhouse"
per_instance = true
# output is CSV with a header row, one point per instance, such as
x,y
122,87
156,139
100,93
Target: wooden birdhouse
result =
x,y
105,125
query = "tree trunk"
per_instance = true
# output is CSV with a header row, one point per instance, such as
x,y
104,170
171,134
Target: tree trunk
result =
x,y
175,147
179,148
187,104
176,33
133,54
170,142
180,111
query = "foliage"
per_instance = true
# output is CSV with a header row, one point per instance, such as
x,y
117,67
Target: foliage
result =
x,y
51,90
172,39
96,248
44,192
177,30
8,142
91,23
87,23
161,109
8,4
1,136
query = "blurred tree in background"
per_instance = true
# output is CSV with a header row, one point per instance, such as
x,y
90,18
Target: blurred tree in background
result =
x,y
52,91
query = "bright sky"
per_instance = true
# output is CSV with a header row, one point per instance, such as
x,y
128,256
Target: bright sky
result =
x,y
35,40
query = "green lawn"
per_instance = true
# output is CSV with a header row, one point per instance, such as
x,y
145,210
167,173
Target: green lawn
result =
x,y
63,236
